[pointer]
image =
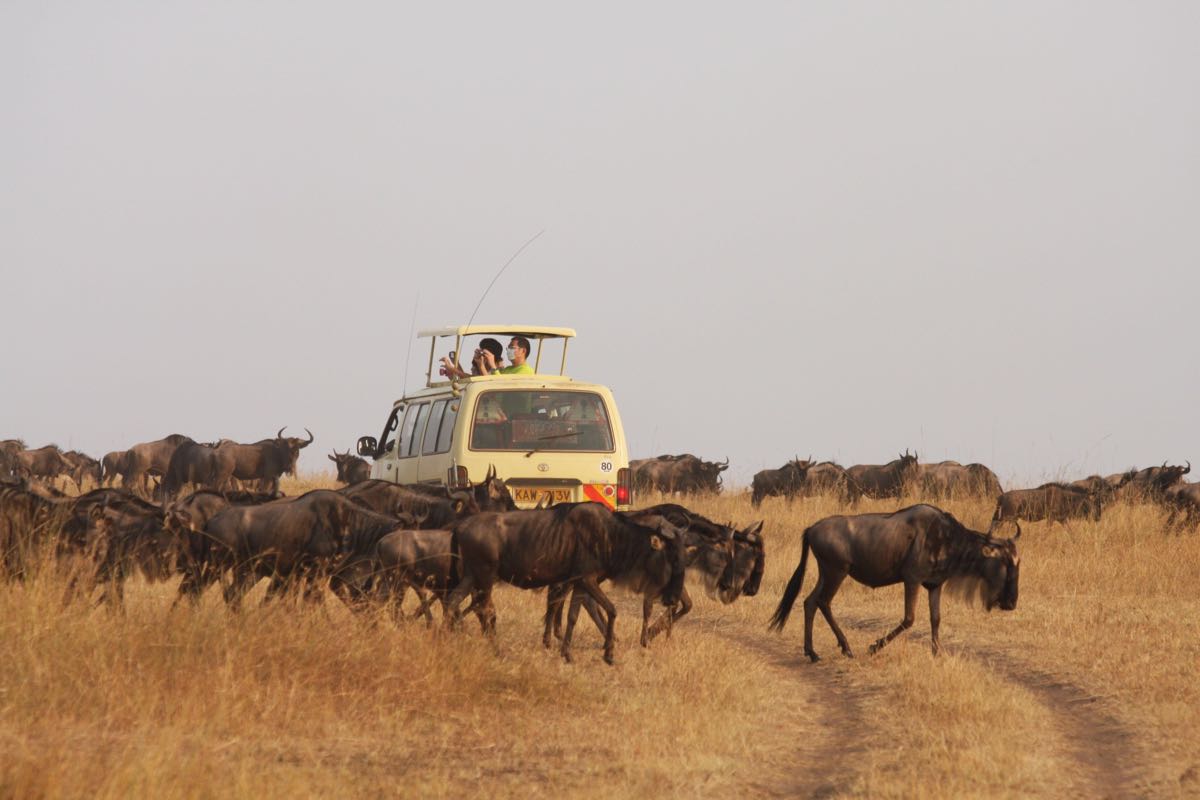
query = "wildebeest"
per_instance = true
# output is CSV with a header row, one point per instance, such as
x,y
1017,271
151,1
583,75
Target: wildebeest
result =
x,y
82,466
1184,498
712,551
829,478
579,543
783,482
950,479
917,546
8,455
684,473
45,462
203,465
292,540
887,480
416,559
28,521
491,494
266,460
1153,483
350,468
1056,502
148,458
429,509
111,466
120,535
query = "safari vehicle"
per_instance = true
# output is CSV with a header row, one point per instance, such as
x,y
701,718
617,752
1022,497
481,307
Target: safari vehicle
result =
x,y
552,438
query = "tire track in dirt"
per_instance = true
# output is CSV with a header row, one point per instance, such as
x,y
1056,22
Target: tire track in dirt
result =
x,y
1102,747
823,719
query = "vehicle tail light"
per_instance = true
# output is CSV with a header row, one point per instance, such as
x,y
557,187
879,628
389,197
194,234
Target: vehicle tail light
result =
x,y
624,490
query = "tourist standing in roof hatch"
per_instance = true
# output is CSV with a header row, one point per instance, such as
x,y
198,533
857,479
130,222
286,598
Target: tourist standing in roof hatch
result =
x,y
518,353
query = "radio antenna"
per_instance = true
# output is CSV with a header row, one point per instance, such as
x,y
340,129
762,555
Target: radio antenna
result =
x,y
411,325
520,250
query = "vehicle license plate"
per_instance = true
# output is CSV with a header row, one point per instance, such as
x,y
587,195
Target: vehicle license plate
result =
x,y
531,494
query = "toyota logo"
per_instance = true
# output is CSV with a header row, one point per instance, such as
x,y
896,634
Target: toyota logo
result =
x,y
543,467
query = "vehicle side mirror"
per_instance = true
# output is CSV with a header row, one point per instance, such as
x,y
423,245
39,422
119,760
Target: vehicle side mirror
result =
x,y
367,445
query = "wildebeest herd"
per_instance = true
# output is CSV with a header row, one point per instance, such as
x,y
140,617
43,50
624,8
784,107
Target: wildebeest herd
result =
x,y
215,516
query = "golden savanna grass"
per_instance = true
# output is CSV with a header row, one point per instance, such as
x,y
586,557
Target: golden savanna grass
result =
x,y
1088,688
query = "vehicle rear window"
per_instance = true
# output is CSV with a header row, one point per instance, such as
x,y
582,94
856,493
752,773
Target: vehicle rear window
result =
x,y
536,419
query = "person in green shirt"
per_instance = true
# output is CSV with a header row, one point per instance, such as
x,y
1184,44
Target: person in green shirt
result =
x,y
518,352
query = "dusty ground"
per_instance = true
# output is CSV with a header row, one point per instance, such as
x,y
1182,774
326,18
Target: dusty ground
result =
x,y
1088,689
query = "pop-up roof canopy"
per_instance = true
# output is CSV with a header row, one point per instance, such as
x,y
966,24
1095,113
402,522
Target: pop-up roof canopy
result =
x,y
528,331
539,333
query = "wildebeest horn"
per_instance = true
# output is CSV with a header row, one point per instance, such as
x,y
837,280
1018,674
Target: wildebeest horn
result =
x,y
1017,535
280,434
1189,468
312,438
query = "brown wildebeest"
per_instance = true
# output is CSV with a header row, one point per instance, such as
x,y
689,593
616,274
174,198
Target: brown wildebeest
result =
x,y
829,478
416,559
120,538
8,455
266,460
711,552
918,546
111,466
83,466
1152,483
431,510
783,482
28,521
148,458
350,468
1184,498
491,494
579,543
950,479
46,463
1056,502
887,480
684,473
199,464
1103,488
293,540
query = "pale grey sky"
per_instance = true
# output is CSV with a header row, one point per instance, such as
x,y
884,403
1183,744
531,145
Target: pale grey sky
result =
x,y
841,229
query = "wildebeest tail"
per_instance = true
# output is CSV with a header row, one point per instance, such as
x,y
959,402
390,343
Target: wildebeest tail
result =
x,y
779,619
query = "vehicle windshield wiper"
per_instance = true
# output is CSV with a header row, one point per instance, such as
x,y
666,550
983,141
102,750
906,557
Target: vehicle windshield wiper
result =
x,y
554,436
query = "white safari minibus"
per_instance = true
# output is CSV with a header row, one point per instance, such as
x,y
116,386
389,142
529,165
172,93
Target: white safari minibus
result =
x,y
552,438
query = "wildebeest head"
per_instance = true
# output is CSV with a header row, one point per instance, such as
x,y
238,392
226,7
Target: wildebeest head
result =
x,y
670,555
1000,572
748,563
493,493
294,445
343,461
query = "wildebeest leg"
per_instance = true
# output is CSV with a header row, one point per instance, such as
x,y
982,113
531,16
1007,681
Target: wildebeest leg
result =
x,y
572,617
671,615
453,612
589,585
910,613
426,599
935,616
829,580
552,623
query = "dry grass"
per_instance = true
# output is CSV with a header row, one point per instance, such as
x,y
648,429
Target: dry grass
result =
x,y
1101,653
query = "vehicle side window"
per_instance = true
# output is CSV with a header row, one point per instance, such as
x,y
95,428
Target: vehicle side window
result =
x,y
406,431
393,422
447,434
418,430
431,430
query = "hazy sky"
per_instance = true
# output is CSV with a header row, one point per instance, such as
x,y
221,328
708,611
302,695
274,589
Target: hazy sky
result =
x,y
841,229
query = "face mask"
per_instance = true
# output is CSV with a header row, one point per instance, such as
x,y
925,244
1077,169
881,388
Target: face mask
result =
x,y
509,353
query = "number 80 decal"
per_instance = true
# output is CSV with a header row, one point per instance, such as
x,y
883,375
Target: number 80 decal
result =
x,y
606,465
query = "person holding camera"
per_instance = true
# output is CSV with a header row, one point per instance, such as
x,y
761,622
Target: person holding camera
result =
x,y
486,361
